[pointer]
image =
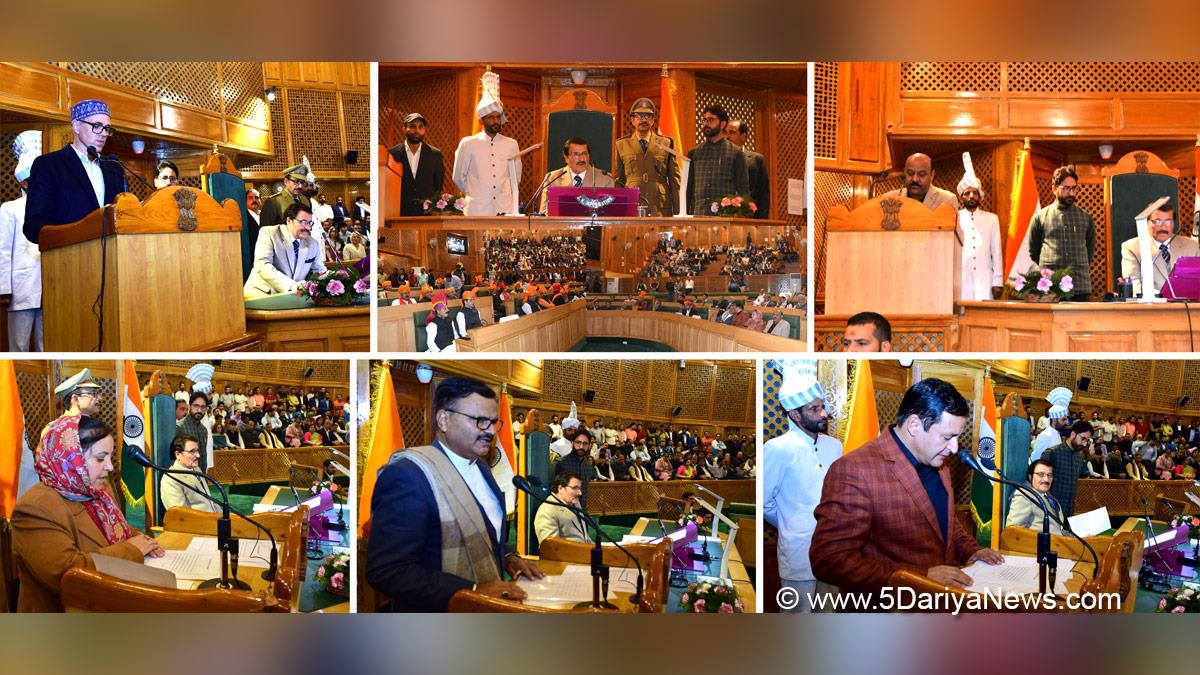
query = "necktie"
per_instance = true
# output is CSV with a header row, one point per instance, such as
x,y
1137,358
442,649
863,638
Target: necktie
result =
x,y
1165,252
645,144
296,250
578,181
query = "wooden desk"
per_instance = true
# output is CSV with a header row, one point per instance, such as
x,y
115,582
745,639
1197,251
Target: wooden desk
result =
x,y
737,568
684,333
1011,326
315,329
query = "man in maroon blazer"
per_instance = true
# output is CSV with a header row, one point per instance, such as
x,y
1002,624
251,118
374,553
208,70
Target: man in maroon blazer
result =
x,y
889,506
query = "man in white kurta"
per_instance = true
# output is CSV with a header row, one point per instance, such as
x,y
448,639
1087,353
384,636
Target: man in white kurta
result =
x,y
20,271
982,259
794,472
486,167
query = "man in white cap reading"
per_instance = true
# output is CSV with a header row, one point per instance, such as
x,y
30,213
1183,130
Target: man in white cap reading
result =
x,y
794,471
486,168
1052,435
68,184
982,258
20,265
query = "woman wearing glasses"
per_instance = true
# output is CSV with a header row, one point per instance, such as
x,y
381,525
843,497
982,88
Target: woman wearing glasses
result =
x,y
56,196
1023,511
59,523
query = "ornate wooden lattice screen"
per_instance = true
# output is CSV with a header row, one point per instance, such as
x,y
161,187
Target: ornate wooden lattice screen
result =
x,y
279,162
825,109
522,126
9,190
732,393
34,391
1103,375
791,156
192,82
635,379
829,188
602,378
1079,77
562,379
950,76
692,390
412,421
321,124
330,373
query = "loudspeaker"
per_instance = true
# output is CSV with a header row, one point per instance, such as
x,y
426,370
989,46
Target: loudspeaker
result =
x,y
1183,400
676,410
308,372
589,396
352,157
1083,384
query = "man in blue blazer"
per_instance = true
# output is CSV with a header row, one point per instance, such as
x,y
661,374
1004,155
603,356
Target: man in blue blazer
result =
x,y
437,515
67,184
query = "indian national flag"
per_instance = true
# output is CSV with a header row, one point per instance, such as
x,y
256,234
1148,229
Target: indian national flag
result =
x,y
864,419
133,435
1025,203
504,468
985,495
1196,210
16,460
384,438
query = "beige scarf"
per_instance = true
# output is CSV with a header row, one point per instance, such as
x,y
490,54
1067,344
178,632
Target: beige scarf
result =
x,y
466,546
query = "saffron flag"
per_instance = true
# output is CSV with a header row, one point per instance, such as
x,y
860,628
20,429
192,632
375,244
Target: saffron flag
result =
x,y
985,495
864,420
1196,210
16,459
133,435
1025,203
505,462
668,120
384,438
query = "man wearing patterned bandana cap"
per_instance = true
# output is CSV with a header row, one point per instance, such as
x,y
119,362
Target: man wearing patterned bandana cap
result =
x,y
1060,423
486,167
68,184
982,258
794,471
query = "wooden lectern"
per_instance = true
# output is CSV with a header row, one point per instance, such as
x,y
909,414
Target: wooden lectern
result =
x,y
86,590
556,553
171,275
894,256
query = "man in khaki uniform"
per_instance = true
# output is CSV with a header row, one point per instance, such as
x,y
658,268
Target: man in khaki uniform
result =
x,y
643,162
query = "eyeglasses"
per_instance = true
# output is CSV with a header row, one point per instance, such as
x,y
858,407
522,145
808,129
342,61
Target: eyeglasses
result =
x,y
99,128
1068,188
305,223
643,115
709,118
1043,474
195,451
1162,221
482,423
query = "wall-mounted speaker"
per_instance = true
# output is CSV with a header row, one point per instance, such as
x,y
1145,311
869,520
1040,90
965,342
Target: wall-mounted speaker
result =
x,y
676,410
308,372
589,396
352,157
1083,384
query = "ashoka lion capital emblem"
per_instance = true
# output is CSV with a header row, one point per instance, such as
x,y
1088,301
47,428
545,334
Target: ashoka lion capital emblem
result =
x,y
185,199
891,214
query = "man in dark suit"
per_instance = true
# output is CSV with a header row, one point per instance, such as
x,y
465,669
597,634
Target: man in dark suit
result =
x,y
889,506
424,171
738,131
68,184
437,515
362,210
340,213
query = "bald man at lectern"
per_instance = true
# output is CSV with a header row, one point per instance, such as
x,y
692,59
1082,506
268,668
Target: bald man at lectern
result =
x,y
918,184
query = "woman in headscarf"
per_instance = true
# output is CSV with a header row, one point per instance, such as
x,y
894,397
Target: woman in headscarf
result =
x,y
62,521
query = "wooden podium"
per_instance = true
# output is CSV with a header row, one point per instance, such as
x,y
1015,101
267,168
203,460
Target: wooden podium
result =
x,y
171,276
86,590
894,256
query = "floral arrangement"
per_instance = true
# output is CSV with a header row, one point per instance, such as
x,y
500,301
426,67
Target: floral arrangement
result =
x,y
1192,522
335,287
445,205
691,518
1046,285
324,485
334,574
717,597
734,206
1180,601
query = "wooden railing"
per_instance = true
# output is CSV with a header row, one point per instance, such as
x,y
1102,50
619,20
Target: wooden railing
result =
x,y
621,497
1123,497
267,465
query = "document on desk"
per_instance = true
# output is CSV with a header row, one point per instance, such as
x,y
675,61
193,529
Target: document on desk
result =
x,y
131,571
1017,576
557,590
188,564
1089,524
251,552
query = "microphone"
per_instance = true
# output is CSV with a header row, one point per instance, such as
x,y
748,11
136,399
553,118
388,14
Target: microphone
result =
x,y
533,486
545,181
140,457
93,155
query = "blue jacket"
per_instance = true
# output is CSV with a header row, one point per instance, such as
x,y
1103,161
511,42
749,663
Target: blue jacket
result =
x,y
60,192
404,553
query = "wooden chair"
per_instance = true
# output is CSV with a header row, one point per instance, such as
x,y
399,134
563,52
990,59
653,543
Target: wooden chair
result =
x,y
85,590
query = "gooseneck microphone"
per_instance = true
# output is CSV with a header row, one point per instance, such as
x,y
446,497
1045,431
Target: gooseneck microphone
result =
x,y
224,531
94,155
533,486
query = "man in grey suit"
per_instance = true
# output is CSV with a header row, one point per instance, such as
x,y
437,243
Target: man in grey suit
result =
x,y
738,131
1167,246
555,520
778,326
578,172
285,254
